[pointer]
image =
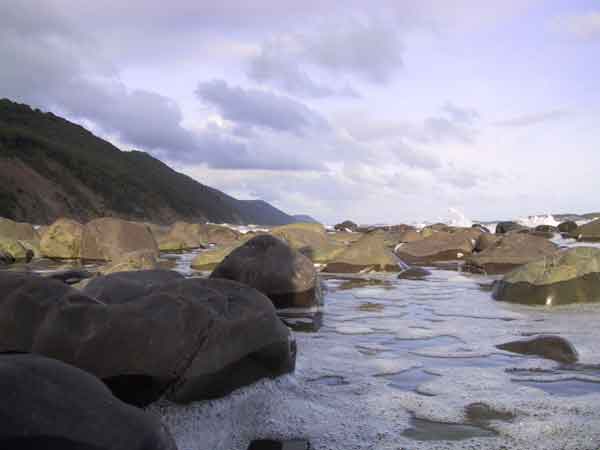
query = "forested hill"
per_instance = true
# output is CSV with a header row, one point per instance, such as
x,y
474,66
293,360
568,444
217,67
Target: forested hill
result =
x,y
50,167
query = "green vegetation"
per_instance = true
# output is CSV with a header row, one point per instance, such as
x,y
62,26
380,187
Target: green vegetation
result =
x,y
131,184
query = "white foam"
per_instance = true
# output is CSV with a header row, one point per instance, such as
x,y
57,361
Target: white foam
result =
x,y
458,218
447,316
534,221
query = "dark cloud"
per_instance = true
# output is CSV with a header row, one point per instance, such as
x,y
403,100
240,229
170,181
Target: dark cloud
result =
x,y
260,108
286,73
49,63
533,119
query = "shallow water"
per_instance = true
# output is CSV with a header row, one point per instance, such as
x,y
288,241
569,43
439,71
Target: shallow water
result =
x,y
390,364
395,362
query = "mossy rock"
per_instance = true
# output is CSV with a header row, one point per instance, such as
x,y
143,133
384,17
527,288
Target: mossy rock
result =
x,y
369,254
571,276
15,249
62,240
209,259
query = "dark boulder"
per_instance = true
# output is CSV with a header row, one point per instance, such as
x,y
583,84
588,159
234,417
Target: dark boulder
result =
x,y
268,264
70,276
570,276
567,227
49,405
6,258
346,225
546,229
506,227
481,227
485,241
190,339
588,232
120,287
550,347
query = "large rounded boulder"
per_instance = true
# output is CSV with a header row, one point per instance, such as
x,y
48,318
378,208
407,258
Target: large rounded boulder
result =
x,y
509,227
62,240
550,347
308,238
15,250
268,264
512,250
149,334
440,246
209,259
346,225
588,232
567,227
19,231
369,254
571,276
19,239
127,262
186,236
107,238
49,405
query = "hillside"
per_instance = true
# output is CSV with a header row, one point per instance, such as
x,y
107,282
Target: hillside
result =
x,y
50,167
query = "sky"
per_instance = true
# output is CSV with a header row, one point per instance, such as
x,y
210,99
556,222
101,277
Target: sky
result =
x,y
385,111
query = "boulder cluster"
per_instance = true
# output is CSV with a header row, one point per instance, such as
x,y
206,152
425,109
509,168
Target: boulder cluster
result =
x,y
82,349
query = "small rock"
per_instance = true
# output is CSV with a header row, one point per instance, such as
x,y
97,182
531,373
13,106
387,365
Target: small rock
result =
x,y
550,347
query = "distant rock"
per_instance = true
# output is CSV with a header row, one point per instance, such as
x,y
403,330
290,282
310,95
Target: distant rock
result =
x,y
131,261
106,239
19,231
346,225
51,405
589,232
486,240
440,246
414,273
550,347
505,227
308,238
512,250
567,227
408,236
269,265
6,258
209,259
438,227
546,229
19,239
481,227
15,250
570,276
369,254
186,236
149,334
62,240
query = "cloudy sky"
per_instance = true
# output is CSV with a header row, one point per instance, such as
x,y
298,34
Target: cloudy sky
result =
x,y
382,111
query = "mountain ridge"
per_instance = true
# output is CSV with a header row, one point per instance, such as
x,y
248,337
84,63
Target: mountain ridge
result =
x,y
51,167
